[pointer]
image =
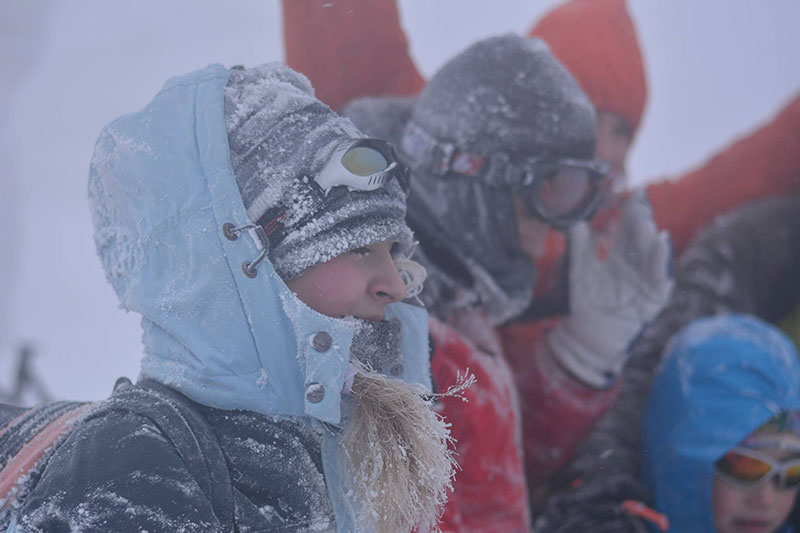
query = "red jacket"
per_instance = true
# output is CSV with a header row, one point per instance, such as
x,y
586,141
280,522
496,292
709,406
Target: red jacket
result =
x,y
489,491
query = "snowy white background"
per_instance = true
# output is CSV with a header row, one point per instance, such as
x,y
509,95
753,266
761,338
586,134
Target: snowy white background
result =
x,y
716,68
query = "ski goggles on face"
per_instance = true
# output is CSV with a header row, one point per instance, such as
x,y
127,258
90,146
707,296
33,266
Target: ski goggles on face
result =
x,y
564,191
364,165
748,468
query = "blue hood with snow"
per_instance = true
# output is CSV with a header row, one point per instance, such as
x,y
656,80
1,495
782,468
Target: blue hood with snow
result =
x,y
161,188
721,379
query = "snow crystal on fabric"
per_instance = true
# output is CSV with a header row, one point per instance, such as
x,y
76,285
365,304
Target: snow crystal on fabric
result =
x,y
508,94
115,234
280,136
287,453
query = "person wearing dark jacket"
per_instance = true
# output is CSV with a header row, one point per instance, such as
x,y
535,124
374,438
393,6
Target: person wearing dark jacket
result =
x,y
258,234
745,262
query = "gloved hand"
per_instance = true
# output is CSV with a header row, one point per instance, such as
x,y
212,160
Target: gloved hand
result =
x,y
596,506
611,300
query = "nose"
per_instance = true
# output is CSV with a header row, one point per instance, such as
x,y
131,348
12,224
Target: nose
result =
x,y
764,495
387,285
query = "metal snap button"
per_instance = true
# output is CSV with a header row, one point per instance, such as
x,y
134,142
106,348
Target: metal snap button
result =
x,y
315,392
321,341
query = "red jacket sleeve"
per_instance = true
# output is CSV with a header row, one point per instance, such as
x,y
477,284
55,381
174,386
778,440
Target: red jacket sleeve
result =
x,y
489,492
557,410
765,163
349,49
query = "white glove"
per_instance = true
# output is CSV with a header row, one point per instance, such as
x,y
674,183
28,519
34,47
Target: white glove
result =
x,y
611,301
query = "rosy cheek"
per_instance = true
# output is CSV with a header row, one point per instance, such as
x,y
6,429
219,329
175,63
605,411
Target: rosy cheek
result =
x,y
331,290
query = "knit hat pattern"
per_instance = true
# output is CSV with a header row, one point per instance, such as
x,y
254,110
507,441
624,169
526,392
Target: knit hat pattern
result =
x,y
280,136
507,95
597,42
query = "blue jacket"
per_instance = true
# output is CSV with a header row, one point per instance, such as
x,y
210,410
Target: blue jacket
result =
x,y
161,187
721,379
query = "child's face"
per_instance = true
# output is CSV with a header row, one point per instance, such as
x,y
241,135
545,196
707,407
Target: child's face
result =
x,y
761,509
359,283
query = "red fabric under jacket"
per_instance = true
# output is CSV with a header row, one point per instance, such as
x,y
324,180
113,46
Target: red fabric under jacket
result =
x,y
489,491
355,48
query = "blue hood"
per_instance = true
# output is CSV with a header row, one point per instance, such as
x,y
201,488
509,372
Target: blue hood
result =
x,y
161,186
721,379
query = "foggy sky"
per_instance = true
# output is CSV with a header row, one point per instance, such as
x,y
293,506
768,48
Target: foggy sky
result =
x,y
715,69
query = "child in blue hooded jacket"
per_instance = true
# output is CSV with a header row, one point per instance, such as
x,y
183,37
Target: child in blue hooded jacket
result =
x,y
721,432
259,235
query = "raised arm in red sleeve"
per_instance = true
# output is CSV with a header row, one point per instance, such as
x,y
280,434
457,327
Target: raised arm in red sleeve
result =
x,y
557,410
349,49
765,163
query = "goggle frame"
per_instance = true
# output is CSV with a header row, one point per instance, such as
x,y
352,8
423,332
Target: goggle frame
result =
x,y
335,173
776,468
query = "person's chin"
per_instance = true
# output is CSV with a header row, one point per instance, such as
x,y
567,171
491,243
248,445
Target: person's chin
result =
x,y
753,525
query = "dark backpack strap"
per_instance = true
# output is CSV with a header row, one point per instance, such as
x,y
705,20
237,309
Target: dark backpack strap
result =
x,y
9,413
188,431
24,424
28,440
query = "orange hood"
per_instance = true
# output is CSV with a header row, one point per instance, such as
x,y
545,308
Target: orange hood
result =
x,y
596,41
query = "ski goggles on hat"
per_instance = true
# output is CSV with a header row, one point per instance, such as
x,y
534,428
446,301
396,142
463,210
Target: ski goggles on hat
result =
x,y
364,165
747,468
562,192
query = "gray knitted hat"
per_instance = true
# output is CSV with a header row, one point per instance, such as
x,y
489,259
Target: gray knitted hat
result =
x,y
280,136
506,95
503,96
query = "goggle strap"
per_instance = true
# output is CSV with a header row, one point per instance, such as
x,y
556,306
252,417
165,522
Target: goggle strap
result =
x,y
498,170
273,222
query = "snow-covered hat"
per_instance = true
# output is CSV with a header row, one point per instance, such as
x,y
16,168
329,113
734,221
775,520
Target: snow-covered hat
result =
x,y
280,137
504,95
504,98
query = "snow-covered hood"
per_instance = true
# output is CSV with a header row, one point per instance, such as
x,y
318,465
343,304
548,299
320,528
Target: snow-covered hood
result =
x,y
721,379
161,187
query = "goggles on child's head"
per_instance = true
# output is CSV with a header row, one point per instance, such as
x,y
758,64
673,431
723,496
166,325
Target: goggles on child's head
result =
x,y
747,468
362,164
562,192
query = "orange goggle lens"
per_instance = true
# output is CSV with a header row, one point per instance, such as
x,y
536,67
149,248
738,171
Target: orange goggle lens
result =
x,y
749,467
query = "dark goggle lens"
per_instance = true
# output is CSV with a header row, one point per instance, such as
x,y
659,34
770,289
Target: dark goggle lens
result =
x,y
364,161
565,190
562,194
